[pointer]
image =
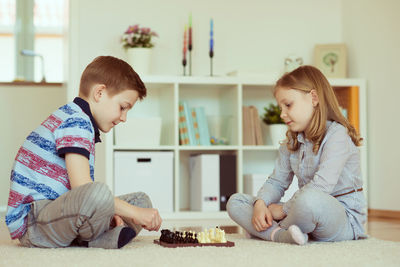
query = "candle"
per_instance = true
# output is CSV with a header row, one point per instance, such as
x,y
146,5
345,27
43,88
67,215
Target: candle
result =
x,y
190,32
185,43
211,35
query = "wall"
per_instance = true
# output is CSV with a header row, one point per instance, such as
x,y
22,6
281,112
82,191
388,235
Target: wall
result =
x,y
249,35
22,109
253,35
371,31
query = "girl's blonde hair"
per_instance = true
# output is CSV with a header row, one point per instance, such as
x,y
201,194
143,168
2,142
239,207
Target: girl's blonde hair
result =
x,y
307,78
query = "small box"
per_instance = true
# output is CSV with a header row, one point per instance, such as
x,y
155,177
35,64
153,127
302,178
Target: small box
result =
x,y
148,172
204,183
138,132
253,183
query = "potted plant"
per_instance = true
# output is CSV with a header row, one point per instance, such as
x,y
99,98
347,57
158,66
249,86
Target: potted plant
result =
x,y
138,42
276,129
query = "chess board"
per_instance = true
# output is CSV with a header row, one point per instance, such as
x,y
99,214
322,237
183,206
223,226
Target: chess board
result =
x,y
176,245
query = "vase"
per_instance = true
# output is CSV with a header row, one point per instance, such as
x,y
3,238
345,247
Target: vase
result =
x,y
273,134
139,58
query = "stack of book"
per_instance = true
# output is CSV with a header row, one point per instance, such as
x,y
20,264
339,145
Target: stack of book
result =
x,y
252,135
193,126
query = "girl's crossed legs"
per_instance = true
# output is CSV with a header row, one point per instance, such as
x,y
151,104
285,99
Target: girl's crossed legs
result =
x,y
316,213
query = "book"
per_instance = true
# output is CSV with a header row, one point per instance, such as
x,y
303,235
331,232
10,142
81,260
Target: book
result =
x,y
203,126
183,127
249,137
188,117
245,125
195,126
257,126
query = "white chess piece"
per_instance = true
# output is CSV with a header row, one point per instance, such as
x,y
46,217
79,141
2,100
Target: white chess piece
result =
x,y
223,238
217,235
200,237
206,237
211,235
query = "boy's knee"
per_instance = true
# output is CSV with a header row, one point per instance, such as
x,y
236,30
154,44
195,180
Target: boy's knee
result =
x,y
144,200
99,197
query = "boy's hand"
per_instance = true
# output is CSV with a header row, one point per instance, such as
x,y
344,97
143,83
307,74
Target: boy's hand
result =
x,y
116,221
148,218
277,211
262,217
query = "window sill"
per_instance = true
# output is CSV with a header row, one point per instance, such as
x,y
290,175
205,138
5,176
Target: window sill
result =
x,y
20,83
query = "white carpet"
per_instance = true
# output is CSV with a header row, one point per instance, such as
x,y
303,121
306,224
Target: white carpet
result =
x,y
247,252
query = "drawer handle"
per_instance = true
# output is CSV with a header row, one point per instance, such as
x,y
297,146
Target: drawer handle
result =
x,y
144,160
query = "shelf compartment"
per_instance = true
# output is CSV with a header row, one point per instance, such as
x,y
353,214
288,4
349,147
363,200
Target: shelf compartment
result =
x,y
184,173
348,98
220,102
159,102
260,162
259,96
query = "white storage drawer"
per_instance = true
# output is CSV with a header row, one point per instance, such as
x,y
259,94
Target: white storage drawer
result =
x,y
149,172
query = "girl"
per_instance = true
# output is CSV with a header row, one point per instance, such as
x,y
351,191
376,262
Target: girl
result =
x,y
321,150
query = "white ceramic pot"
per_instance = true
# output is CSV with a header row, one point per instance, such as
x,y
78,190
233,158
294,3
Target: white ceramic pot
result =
x,y
277,133
139,58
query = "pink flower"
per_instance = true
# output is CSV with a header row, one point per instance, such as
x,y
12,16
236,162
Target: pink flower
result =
x,y
145,30
132,29
135,36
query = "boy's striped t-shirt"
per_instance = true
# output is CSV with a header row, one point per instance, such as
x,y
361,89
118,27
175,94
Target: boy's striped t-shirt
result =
x,y
39,170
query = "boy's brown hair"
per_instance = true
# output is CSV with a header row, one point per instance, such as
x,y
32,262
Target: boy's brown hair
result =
x,y
114,73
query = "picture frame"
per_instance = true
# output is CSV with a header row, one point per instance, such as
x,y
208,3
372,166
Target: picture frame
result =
x,y
331,59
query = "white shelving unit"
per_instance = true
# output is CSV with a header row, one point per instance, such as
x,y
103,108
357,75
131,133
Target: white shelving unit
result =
x,y
222,97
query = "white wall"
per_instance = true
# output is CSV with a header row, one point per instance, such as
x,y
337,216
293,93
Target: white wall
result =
x,y
249,35
22,109
252,35
371,31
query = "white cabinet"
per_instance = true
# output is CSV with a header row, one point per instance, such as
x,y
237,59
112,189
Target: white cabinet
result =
x,y
222,99
149,172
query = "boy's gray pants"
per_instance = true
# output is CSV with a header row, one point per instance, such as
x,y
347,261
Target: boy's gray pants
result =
x,y
84,213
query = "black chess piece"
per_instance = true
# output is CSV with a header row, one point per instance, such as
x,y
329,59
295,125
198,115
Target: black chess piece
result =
x,y
166,236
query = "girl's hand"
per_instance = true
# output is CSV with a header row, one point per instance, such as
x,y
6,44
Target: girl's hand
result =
x,y
116,221
277,211
262,217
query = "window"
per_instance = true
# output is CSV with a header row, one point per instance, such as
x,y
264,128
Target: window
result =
x,y
7,40
48,21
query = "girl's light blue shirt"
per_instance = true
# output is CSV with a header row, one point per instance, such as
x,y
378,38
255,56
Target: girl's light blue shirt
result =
x,y
335,170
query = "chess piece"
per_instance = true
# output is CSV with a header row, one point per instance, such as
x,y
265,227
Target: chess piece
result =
x,y
223,238
211,235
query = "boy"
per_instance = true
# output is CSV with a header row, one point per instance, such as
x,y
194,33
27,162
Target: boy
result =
x,y
54,201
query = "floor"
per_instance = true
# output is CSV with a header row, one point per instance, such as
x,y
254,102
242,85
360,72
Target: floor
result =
x,y
385,229
380,228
